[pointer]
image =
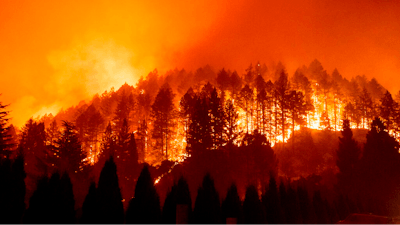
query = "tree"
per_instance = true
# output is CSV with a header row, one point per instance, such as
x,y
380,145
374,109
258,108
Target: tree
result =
x,y
347,159
124,108
200,128
319,207
90,207
145,207
12,189
70,150
207,206
52,202
110,208
282,86
232,206
246,103
235,83
380,164
252,208
222,78
178,204
163,115
366,107
298,109
260,157
231,122
5,138
387,110
187,104
271,202
217,120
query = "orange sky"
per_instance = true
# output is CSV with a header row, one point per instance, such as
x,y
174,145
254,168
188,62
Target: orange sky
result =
x,y
54,54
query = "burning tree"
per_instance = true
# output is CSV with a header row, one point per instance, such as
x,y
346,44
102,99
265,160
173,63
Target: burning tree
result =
x,y
164,115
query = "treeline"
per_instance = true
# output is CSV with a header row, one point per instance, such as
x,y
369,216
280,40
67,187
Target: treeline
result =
x,y
53,201
168,111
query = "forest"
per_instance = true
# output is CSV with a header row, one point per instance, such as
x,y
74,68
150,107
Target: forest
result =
x,y
209,146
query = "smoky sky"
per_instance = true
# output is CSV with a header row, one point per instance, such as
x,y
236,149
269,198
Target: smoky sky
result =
x,y
55,54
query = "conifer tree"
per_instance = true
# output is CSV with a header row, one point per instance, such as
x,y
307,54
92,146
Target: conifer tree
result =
x,y
70,150
110,205
252,207
5,137
271,202
90,207
207,206
163,115
232,206
145,206
347,159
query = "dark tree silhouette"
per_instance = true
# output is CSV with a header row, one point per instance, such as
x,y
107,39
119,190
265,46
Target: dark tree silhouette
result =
x,y
70,150
380,165
5,137
109,195
52,202
271,202
164,115
145,206
12,190
388,109
347,158
253,209
320,208
207,206
90,207
232,206
178,204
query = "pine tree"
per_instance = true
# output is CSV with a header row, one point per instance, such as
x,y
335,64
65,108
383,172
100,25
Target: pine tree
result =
x,y
5,137
271,202
388,109
252,208
164,115
347,159
145,206
110,205
69,147
90,207
282,86
207,206
232,206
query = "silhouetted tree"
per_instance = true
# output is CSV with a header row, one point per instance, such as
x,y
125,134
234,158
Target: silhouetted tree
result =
x,y
70,150
90,207
222,80
12,190
293,207
388,109
232,206
380,164
252,208
52,202
110,208
231,125
347,159
282,86
271,202
366,107
320,208
5,137
207,206
145,206
164,115
178,196
246,103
